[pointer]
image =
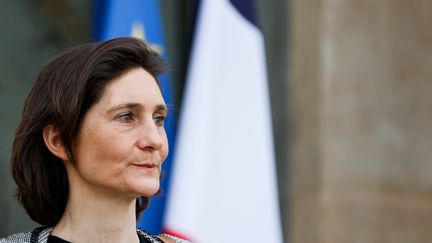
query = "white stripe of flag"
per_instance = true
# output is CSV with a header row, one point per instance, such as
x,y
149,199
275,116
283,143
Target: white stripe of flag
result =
x,y
223,187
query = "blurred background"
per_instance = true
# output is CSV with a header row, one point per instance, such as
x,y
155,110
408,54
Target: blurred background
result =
x,y
350,98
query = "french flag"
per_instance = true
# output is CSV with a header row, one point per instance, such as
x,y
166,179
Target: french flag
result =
x,y
223,184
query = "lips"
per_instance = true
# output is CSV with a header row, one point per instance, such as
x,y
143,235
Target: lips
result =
x,y
146,166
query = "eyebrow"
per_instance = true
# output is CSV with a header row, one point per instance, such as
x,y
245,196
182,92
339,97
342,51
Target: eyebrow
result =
x,y
158,107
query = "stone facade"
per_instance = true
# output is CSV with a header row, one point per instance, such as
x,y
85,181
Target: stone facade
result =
x,y
361,145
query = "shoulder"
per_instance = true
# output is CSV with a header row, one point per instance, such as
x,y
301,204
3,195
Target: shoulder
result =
x,y
164,237
40,234
17,238
172,239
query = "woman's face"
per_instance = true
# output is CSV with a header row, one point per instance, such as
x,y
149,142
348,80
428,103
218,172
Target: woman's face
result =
x,y
122,142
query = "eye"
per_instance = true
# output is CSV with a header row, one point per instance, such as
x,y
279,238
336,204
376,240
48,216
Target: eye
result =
x,y
159,120
125,117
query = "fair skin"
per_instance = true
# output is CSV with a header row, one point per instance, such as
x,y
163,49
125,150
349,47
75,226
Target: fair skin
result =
x,y
118,155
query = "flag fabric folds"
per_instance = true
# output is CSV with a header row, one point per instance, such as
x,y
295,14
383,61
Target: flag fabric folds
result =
x,y
141,19
223,186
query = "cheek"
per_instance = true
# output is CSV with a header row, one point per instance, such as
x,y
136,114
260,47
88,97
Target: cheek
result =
x,y
99,149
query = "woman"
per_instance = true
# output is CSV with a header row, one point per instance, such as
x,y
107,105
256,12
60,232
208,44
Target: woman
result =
x,y
87,154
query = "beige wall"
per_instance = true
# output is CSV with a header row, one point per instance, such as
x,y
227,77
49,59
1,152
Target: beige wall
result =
x,y
361,144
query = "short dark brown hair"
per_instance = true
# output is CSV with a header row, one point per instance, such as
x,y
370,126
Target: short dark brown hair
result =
x,y
63,93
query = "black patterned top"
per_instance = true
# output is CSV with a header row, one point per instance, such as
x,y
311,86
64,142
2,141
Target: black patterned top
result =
x,y
41,235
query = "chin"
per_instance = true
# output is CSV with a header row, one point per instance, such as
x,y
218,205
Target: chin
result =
x,y
148,190
149,193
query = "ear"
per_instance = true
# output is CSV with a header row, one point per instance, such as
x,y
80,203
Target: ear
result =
x,y
52,139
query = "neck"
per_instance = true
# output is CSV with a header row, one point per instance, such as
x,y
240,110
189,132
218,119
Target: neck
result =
x,y
92,216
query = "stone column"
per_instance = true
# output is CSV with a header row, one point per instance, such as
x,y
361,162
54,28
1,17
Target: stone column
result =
x,y
361,150
303,174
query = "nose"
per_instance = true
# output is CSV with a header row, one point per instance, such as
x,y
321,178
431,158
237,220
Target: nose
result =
x,y
150,137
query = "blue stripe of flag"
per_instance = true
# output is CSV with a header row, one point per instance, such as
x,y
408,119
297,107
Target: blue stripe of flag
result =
x,y
247,9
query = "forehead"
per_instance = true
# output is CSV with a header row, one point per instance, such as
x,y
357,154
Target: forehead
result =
x,y
135,85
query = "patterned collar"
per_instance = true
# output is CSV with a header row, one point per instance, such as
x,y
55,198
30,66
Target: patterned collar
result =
x,y
40,235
